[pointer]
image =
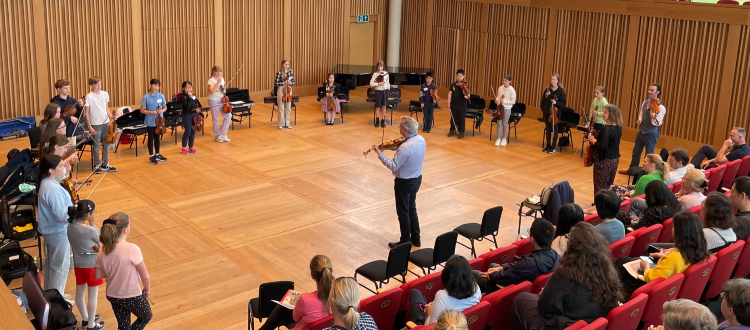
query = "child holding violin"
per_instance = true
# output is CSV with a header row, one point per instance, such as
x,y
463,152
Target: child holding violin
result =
x,y
458,98
284,78
553,99
427,98
98,118
215,94
330,103
189,103
63,99
84,241
153,105
506,98
380,82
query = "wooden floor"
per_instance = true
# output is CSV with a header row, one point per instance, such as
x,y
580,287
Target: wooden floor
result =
x,y
215,225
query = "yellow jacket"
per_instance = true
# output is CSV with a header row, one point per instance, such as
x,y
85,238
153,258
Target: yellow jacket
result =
x,y
667,266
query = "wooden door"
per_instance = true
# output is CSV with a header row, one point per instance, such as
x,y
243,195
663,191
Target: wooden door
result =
x,y
361,43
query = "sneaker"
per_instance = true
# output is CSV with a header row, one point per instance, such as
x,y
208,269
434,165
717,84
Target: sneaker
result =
x,y
288,127
108,168
153,160
161,158
503,143
384,122
85,323
219,139
98,171
193,151
184,151
377,122
281,127
551,150
97,326
69,299
497,142
225,138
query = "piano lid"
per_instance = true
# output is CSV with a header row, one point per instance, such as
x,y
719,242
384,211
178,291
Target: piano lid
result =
x,y
368,69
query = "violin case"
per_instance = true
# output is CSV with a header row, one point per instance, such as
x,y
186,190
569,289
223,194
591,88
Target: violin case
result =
x,y
15,128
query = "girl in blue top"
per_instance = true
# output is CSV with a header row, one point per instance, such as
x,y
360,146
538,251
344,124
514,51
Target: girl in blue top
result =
x,y
153,105
54,201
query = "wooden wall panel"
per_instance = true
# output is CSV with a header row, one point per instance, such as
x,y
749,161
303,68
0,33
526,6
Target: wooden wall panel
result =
x,y
91,37
590,52
739,110
374,7
253,36
516,42
319,33
413,36
175,38
462,15
444,55
686,58
18,61
471,49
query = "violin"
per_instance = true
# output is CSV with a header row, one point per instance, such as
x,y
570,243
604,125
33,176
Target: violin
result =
x,y
380,78
112,135
499,113
434,94
332,98
653,108
71,109
388,145
590,149
70,186
198,123
553,113
227,108
161,129
287,90
465,88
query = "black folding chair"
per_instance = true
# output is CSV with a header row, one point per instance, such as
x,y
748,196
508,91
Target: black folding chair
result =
x,y
380,271
445,247
476,232
262,306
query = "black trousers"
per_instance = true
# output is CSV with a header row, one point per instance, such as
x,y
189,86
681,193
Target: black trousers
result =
x,y
278,317
705,152
406,208
417,301
551,134
153,140
459,117
188,137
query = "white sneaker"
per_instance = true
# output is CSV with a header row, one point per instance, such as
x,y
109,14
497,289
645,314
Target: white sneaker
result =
x,y
503,143
225,138
289,127
69,299
497,142
281,127
219,139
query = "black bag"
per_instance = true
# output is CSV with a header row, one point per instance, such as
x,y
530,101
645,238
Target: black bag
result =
x,y
60,312
564,141
14,262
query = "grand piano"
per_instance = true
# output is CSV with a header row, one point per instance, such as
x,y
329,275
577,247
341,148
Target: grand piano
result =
x,y
359,75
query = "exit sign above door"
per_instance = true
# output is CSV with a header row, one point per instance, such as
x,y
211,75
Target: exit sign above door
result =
x,y
363,18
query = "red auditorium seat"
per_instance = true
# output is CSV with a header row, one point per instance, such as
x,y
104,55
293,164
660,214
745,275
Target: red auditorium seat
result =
x,y
598,324
540,282
627,315
622,247
500,303
677,187
500,256
429,285
593,219
659,291
745,165
746,3
666,231
476,316
696,278
696,210
728,2
726,259
577,326
714,177
524,247
733,168
477,263
644,236
743,263
319,324
383,307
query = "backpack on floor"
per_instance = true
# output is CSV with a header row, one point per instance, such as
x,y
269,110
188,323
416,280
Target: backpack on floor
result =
x,y
60,312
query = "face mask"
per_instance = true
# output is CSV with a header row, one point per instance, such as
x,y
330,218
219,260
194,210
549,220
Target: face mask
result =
x,y
62,176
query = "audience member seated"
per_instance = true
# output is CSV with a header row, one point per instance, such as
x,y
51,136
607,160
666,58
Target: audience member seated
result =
x,y
694,183
708,157
344,302
539,262
569,215
451,319
718,220
655,168
690,248
739,196
584,286
683,314
659,205
461,292
310,306
736,305
677,160
607,205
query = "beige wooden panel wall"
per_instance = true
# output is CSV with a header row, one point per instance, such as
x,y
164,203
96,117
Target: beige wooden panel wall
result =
x,y
374,7
316,39
739,109
175,38
90,38
413,36
17,60
686,58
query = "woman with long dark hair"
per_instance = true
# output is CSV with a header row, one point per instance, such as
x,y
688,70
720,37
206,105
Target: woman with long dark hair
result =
x,y
585,286
689,248
659,205
718,220
553,98
51,111
569,215
606,142
461,292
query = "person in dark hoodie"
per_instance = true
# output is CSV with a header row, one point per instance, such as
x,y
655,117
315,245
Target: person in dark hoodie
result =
x,y
541,261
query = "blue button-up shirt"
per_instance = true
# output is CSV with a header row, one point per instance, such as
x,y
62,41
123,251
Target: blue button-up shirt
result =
x,y
409,158
153,102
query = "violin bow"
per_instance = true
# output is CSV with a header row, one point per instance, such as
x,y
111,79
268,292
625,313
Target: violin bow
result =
x,y
96,186
89,177
234,75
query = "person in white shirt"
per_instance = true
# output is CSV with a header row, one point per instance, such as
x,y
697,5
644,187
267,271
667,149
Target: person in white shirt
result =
x,y
461,292
694,183
406,166
215,92
677,160
98,118
381,88
506,97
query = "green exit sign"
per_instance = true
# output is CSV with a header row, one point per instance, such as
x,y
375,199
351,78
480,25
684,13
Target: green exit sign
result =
x,y
363,18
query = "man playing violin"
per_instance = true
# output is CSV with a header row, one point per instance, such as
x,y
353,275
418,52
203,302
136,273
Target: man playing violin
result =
x,y
406,166
458,101
649,127
63,99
